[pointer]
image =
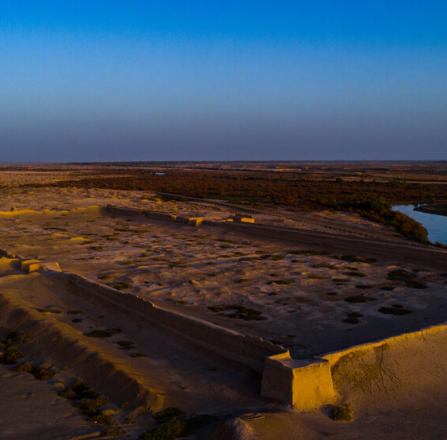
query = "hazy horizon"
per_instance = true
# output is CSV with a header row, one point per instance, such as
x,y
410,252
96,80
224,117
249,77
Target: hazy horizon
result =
x,y
166,81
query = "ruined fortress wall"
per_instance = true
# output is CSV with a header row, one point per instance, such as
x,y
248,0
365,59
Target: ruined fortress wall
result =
x,y
155,215
337,243
247,350
124,211
400,366
373,370
159,215
305,385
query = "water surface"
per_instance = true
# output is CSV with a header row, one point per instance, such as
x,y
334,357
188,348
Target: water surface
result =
x,y
436,225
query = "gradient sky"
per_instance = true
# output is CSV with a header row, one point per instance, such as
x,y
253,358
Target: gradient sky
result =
x,y
112,80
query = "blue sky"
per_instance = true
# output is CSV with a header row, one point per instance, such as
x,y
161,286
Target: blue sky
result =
x,y
232,80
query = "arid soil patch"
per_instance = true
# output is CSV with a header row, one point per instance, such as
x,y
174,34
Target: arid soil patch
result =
x,y
308,301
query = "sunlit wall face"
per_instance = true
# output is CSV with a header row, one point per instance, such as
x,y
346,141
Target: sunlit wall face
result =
x,y
174,80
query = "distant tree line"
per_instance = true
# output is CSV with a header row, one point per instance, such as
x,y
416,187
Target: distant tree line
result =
x,y
369,198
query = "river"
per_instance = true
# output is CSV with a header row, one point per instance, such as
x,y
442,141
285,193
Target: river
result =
x,y
436,225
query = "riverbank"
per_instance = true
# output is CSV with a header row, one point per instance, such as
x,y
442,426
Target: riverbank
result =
x,y
437,209
436,225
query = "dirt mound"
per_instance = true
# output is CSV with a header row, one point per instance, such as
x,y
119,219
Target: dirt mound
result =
x,y
64,348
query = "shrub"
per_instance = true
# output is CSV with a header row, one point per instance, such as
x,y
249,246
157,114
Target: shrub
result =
x,y
103,333
416,285
22,338
341,280
309,252
181,264
326,265
342,413
101,419
359,299
11,355
398,311
355,259
106,277
277,257
350,320
354,274
167,431
23,368
79,390
119,285
44,374
90,406
167,414
317,277
408,227
14,337
174,424
409,278
400,275
241,312
281,282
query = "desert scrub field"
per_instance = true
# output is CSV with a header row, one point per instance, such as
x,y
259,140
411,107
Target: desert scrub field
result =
x,y
279,290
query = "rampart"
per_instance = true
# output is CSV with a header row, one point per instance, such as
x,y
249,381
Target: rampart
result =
x,y
274,213
305,385
339,243
417,254
247,350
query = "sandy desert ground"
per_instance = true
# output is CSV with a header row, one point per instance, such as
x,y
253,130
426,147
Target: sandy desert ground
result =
x,y
307,300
